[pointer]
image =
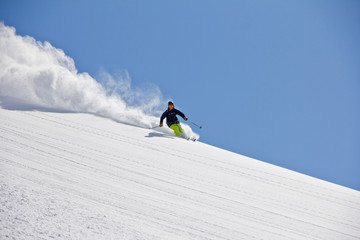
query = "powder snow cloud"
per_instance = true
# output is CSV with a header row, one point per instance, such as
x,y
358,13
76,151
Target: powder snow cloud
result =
x,y
38,75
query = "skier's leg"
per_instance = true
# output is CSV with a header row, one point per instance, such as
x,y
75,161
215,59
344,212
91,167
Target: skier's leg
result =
x,y
177,129
180,128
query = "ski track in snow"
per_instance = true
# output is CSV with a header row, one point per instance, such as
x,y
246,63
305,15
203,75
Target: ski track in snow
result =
x,y
78,176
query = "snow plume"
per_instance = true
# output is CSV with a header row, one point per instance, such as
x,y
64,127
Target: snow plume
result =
x,y
147,96
36,75
40,76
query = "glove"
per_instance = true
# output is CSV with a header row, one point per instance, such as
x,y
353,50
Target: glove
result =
x,y
185,118
160,125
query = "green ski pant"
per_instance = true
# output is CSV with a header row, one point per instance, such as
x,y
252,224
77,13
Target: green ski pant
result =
x,y
177,129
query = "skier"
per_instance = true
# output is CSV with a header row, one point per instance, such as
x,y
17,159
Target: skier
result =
x,y
171,119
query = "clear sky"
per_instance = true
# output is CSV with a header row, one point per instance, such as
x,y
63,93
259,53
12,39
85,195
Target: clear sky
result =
x,y
278,81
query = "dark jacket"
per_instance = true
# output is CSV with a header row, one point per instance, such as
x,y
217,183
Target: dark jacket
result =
x,y
170,115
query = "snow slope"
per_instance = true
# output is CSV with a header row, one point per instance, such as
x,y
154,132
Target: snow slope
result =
x,y
79,176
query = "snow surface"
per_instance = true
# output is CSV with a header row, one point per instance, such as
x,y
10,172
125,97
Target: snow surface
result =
x,y
80,176
101,173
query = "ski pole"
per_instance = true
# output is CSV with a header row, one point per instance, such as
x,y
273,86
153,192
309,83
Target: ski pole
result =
x,y
154,127
194,124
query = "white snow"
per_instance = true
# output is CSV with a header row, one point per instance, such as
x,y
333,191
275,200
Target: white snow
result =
x,y
80,176
101,174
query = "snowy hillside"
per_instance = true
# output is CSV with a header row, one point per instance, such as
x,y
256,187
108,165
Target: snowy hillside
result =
x,y
101,173
79,176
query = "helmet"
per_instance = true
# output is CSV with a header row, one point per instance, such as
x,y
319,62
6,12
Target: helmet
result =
x,y
170,103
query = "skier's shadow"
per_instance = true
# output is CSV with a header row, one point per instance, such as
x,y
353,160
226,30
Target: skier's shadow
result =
x,y
157,134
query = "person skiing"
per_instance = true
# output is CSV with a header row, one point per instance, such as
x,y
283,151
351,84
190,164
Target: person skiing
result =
x,y
171,119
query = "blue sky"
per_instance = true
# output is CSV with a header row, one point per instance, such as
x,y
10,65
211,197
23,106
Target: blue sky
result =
x,y
278,81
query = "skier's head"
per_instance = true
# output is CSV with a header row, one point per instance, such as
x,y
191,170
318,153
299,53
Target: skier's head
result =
x,y
170,104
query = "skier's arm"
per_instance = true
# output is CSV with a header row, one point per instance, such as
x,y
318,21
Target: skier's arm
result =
x,y
162,117
180,114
